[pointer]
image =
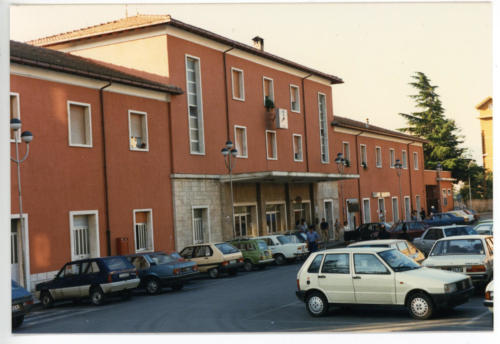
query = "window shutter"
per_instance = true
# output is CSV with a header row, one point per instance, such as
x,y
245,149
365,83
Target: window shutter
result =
x,y
77,123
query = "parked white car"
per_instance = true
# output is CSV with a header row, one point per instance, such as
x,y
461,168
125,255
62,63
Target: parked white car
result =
x,y
468,254
485,228
403,246
382,276
284,247
432,234
488,296
469,218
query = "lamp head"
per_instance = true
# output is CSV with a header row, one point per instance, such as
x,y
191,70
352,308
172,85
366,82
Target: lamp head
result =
x,y
234,152
439,167
15,124
224,151
27,136
229,144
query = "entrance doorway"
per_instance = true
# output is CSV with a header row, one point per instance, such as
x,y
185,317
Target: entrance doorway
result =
x,y
329,218
15,226
16,250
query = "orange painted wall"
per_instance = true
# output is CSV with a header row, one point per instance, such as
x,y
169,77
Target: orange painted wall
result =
x,y
57,178
250,113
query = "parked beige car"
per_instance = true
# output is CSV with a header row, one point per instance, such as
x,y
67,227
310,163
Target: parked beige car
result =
x,y
367,275
403,246
214,258
467,254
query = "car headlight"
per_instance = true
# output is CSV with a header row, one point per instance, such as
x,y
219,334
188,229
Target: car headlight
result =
x,y
450,287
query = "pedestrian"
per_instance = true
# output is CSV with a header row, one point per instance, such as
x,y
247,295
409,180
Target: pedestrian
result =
x,y
303,225
422,214
381,216
324,226
336,235
404,235
298,227
347,232
312,239
433,211
414,215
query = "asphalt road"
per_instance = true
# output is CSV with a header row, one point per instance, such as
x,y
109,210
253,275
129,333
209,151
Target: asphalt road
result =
x,y
259,301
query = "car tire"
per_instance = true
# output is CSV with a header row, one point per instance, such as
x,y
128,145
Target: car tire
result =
x,y
420,306
213,273
279,259
96,296
247,266
316,304
153,286
16,322
177,287
46,299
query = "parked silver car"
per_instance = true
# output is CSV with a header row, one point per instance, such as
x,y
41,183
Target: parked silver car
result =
x,y
432,234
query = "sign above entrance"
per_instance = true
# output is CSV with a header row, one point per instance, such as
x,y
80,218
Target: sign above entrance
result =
x,y
281,119
380,194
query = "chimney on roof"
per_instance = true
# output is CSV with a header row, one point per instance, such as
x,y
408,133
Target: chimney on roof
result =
x,y
258,43
367,124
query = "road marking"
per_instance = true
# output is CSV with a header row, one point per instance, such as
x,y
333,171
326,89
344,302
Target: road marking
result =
x,y
273,309
52,316
477,317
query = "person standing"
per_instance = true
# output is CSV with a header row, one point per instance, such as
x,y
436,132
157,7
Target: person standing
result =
x,y
312,239
337,229
422,214
324,226
303,225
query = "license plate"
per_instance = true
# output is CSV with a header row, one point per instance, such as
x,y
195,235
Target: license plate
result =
x,y
457,269
232,261
16,307
124,275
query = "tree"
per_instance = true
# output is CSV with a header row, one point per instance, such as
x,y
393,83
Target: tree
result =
x,y
441,132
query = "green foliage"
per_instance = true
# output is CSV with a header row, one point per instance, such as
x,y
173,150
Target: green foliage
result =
x,y
481,182
441,132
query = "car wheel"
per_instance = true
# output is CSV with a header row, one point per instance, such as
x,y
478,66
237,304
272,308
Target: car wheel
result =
x,y
46,299
16,322
279,259
96,296
177,287
153,286
213,273
247,266
316,304
420,306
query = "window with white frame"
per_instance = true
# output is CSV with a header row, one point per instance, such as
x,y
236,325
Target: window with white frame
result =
x,y
80,126
323,128
297,147
415,160
364,155
449,192
275,218
201,229
395,210
268,87
346,151
15,225
271,147
138,130
238,84
143,230
294,98
240,138
367,218
444,192
302,211
418,207
404,159
392,157
407,208
243,220
84,234
378,156
195,107
15,113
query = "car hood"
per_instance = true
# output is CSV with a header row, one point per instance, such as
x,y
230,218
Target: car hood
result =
x,y
19,292
454,260
427,274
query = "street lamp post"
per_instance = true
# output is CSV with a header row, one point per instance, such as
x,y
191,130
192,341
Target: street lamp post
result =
x,y
439,168
229,154
340,161
27,137
470,187
398,165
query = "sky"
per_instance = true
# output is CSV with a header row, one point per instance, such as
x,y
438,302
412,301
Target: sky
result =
x,y
374,47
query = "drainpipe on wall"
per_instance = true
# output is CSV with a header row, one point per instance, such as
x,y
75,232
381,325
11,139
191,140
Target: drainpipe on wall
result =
x,y
361,220
306,151
409,174
228,129
108,232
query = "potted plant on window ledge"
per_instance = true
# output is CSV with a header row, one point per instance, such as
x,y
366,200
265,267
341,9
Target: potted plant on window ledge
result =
x,y
269,104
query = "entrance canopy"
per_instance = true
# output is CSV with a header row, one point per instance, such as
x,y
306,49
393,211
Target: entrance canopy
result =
x,y
287,177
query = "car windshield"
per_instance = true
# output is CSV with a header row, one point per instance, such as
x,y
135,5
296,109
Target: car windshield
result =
x,y
459,246
398,261
454,231
175,255
286,239
117,263
262,245
162,258
226,248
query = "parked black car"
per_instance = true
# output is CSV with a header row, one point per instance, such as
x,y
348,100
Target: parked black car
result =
x,y
414,229
94,278
158,269
444,219
22,300
366,231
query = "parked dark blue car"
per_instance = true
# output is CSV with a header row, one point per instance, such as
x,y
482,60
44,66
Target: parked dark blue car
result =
x,y
21,304
158,269
444,219
94,278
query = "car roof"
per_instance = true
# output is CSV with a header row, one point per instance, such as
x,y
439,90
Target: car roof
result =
x,y
378,241
459,237
448,226
356,250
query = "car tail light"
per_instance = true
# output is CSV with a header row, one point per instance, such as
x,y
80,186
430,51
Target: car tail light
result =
x,y
298,285
110,278
136,273
476,268
225,263
240,260
195,268
176,271
488,295
30,302
300,248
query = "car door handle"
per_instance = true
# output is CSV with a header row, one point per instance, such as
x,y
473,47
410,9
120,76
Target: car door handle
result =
x,y
356,277
321,276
